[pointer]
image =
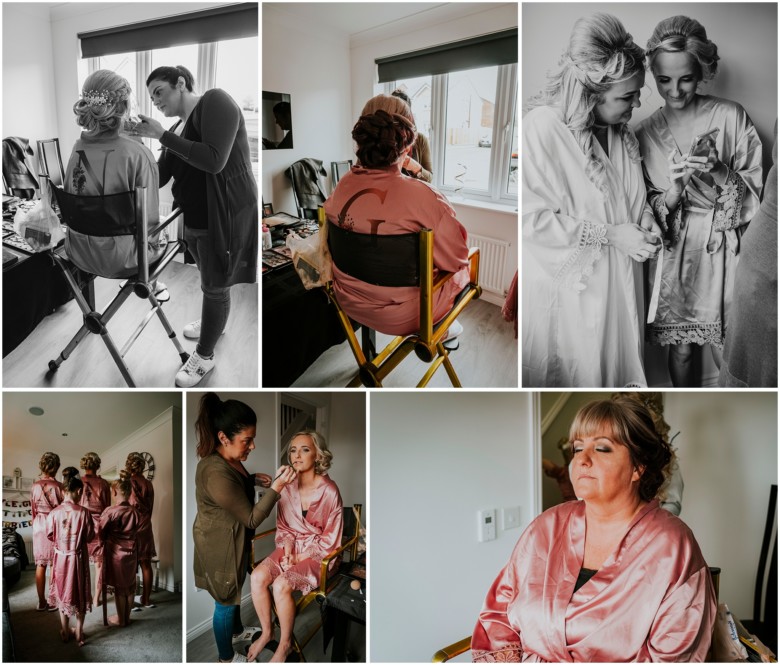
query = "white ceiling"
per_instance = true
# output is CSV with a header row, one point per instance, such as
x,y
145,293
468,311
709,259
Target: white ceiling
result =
x,y
366,21
93,421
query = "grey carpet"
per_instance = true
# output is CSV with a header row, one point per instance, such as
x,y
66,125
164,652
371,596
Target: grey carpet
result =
x,y
154,635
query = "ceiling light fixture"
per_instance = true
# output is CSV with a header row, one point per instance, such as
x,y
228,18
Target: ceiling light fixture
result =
x,y
36,410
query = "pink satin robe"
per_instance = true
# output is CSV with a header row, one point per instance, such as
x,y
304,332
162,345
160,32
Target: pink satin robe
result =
x,y
386,202
45,496
142,499
96,497
312,537
69,529
652,600
118,526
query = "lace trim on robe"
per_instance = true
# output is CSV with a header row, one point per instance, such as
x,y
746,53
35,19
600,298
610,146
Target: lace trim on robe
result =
x,y
297,581
65,608
579,266
686,333
670,227
729,204
43,561
511,653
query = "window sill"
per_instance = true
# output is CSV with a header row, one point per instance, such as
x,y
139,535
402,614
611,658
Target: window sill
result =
x,y
483,205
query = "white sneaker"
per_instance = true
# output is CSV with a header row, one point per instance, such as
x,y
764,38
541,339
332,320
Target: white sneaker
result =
x,y
194,370
192,330
450,340
237,658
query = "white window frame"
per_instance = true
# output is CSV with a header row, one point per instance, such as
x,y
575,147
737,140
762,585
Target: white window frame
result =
x,y
501,148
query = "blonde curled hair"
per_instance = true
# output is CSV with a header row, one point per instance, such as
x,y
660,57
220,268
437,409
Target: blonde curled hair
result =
x,y
680,34
135,464
49,464
104,102
600,53
324,457
90,462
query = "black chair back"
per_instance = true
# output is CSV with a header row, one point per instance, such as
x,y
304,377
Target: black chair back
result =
x,y
383,260
108,215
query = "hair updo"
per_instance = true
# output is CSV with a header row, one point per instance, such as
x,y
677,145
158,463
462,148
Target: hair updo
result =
x,y
384,131
135,464
122,485
49,464
71,483
171,76
90,462
69,472
104,102
680,34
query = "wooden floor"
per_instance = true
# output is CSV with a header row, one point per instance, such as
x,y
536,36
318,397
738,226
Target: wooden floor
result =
x,y
487,357
153,360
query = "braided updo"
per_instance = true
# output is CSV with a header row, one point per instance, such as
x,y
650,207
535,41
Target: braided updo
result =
x,y
90,462
135,464
383,132
49,464
104,102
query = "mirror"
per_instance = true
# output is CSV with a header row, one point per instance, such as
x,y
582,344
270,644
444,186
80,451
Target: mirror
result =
x,y
277,121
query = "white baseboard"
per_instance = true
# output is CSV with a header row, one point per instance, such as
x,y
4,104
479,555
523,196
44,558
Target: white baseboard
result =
x,y
493,298
205,625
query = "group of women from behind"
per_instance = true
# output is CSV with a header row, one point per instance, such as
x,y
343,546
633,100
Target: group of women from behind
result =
x,y
600,200
75,524
206,154
308,525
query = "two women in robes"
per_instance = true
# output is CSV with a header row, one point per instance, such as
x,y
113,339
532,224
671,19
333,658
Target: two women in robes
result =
x,y
702,203
118,527
586,224
610,578
45,496
308,527
69,528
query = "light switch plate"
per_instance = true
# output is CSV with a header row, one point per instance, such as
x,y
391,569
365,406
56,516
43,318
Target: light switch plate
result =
x,y
487,525
510,517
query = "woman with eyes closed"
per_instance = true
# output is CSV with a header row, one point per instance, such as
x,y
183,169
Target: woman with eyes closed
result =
x,y
610,578
308,527
702,203
227,513
586,223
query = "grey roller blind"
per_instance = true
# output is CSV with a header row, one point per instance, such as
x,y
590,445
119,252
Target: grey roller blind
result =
x,y
210,25
497,48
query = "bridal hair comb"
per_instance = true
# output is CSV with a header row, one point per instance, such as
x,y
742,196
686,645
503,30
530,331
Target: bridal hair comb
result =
x,y
103,97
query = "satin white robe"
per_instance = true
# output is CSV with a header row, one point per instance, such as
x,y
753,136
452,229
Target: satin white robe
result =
x,y
582,300
652,599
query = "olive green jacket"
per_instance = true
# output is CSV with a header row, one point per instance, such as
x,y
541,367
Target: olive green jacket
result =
x,y
219,532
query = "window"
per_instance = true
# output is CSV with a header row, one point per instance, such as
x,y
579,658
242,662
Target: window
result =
x,y
468,117
230,64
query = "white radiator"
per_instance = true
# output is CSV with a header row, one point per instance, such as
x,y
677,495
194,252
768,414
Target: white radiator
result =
x,y
492,262
29,549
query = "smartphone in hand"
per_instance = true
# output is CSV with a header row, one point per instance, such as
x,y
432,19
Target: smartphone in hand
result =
x,y
700,145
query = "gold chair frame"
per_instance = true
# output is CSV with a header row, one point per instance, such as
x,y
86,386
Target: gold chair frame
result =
x,y
427,343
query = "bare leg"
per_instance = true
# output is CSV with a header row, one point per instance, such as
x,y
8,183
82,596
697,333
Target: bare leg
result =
x,y
681,365
717,355
40,585
97,600
64,627
128,607
285,610
261,599
119,618
146,576
80,637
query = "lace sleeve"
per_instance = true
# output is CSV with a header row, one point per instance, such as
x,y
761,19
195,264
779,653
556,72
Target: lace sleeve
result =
x,y
511,653
579,266
729,203
670,223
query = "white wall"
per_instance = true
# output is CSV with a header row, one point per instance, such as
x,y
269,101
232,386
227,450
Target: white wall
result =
x,y
346,434
29,99
312,66
727,451
158,438
436,460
